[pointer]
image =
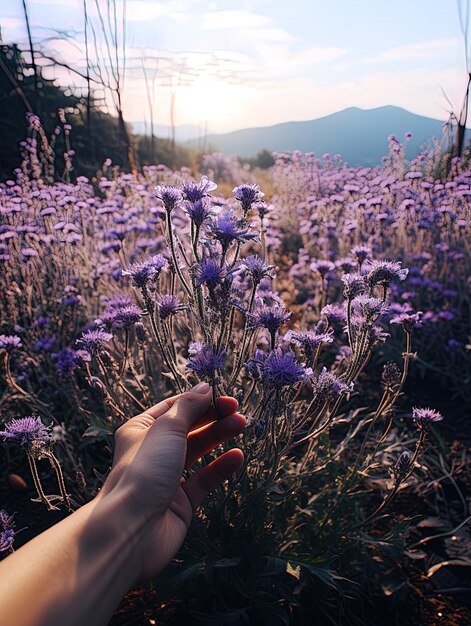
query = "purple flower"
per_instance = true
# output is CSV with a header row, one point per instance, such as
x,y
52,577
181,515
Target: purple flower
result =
x,y
354,285
280,369
209,272
336,314
309,341
169,305
10,342
327,386
424,418
408,321
126,316
268,317
7,538
257,268
369,308
141,273
197,191
247,195
383,272
45,343
227,229
170,196
66,361
205,361
322,267
199,211
26,431
361,252
94,341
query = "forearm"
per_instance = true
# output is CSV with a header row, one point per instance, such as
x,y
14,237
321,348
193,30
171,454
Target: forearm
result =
x,y
76,572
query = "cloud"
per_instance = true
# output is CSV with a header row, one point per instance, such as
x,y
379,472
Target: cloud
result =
x,y
237,18
416,51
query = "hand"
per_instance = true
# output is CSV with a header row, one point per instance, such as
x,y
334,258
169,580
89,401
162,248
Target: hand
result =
x,y
152,450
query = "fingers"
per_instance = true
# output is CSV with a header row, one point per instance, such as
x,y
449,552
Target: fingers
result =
x,y
161,407
225,406
196,409
202,441
209,477
193,409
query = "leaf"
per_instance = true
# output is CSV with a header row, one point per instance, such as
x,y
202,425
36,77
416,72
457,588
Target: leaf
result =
x,y
293,571
274,566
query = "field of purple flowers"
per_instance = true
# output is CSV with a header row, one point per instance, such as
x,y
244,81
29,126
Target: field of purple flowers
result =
x,y
335,307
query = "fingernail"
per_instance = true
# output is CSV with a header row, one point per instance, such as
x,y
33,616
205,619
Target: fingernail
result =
x,y
201,388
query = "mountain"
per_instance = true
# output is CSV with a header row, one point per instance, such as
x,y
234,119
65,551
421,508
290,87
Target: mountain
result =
x,y
359,135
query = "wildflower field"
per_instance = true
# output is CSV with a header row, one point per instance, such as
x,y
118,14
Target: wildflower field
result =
x,y
332,301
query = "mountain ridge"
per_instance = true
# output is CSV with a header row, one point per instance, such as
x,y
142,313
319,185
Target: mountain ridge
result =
x,y
360,136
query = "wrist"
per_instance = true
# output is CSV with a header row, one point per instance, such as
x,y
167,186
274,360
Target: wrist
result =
x,y
120,528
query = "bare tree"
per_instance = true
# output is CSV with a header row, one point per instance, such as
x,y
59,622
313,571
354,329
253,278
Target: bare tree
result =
x,y
462,117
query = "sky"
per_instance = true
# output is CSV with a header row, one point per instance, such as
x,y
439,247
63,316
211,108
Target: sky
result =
x,y
227,65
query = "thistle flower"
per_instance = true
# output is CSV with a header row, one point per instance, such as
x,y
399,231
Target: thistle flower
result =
x,y
247,195
27,431
94,341
408,321
126,316
361,253
197,191
145,271
354,285
269,317
327,386
281,369
309,341
257,268
391,375
336,314
205,361
322,267
369,308
226,229
383,272
199,211
424,417
169,305
10,342
209,272
169,195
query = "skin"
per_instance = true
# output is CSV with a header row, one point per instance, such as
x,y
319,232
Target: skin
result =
x,y
76,572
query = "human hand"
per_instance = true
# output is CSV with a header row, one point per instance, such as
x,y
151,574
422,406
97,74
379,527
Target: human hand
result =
x,y
152,450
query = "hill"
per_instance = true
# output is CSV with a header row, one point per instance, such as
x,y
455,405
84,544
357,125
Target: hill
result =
x,y
359,135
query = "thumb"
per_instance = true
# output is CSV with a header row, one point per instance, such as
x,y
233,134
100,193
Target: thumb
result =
x,y
188,409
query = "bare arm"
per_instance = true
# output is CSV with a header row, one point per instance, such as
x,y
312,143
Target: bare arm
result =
x,y
76,572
